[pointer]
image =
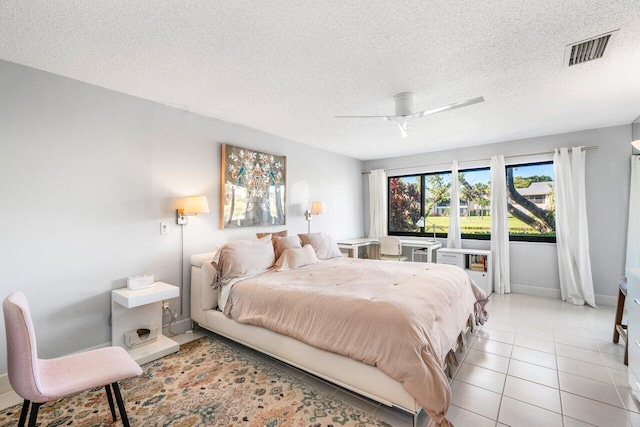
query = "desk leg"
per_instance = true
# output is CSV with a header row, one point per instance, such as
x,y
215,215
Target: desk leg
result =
x,y
352,252
429,255
355,251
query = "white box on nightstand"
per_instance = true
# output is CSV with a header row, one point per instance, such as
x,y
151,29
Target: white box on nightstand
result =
x,y
138,309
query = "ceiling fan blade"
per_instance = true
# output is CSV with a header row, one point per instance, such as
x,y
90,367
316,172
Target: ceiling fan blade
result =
x,y
364,117
450,106
403,131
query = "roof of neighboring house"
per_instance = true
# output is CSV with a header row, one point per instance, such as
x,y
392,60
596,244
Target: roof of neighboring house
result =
x,y
537,189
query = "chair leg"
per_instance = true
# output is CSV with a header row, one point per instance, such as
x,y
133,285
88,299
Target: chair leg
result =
x,y
34,414
626,351
619,313
23,413
107,389
123,411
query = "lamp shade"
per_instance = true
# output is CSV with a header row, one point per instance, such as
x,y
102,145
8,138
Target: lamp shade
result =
x,y
195,204
420,222
317,208
636,146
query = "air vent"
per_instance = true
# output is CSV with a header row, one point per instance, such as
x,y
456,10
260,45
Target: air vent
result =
x,y
588,50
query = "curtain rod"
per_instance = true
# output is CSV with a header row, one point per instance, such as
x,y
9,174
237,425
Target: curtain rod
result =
x,y
592,147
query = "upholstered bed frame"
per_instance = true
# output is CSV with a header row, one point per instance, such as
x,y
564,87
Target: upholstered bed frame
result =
x,y
358,377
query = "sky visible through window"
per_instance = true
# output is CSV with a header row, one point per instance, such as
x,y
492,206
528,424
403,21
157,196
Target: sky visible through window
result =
x,y
533,170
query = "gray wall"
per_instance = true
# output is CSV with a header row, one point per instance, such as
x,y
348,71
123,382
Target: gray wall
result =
x,y
534,267
86,176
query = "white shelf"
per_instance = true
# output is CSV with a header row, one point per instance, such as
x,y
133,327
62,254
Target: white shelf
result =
x,y
131,310
161,347
160,291
460,257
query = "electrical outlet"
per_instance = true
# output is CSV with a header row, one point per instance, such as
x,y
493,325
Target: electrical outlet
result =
x,y
165,305
164,228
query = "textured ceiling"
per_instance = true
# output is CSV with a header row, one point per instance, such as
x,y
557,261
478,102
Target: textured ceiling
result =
x,y
288,67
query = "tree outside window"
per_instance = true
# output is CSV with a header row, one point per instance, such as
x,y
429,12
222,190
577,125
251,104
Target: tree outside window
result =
x,y
405,194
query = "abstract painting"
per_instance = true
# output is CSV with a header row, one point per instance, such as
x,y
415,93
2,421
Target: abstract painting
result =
x,y
253,188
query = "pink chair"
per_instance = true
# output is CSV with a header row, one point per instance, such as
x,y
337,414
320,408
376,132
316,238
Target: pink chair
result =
x,y
39,380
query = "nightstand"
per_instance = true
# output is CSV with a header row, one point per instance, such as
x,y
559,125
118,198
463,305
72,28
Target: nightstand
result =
x,y
137,309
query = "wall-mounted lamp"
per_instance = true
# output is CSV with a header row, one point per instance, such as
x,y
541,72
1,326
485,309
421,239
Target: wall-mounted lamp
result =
x,y
317,208
192,206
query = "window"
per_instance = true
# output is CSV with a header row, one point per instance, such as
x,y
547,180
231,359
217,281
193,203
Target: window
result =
x,y
427,195
475,198
531,202
437,203
530,193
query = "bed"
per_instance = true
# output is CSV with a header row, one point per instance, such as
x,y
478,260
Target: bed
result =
x,y
279,313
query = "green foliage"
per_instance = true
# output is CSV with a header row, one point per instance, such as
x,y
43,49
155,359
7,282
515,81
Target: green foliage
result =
x,y
438,192
404,205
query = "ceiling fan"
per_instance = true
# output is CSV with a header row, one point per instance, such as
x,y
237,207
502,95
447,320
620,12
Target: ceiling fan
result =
x,y
404,111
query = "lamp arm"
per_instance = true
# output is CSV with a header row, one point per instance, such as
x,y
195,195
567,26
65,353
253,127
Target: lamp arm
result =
x,y
434,225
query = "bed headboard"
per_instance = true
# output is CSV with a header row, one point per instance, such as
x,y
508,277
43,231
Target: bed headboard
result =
x,y
203,298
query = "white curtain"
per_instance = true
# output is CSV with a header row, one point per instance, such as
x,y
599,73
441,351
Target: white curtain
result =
x,y
377,203
572,233
499,227
453,236
633,229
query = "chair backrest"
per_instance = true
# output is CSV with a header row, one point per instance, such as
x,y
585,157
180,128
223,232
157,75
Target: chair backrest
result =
x,y
390,245
22,352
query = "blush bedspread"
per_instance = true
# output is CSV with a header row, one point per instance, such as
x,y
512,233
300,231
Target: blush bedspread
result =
x,y
403,318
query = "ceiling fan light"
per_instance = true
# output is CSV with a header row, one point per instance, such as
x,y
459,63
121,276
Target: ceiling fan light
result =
x,y
404,127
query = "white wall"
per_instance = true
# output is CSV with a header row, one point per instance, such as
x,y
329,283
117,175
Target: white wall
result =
x,y
534,266
86,176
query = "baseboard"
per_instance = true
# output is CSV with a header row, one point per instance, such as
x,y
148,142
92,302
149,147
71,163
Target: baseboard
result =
x,y
5,386
604,300
607,300
536,291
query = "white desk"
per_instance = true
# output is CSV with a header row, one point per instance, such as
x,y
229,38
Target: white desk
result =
x,y
353,245
422,248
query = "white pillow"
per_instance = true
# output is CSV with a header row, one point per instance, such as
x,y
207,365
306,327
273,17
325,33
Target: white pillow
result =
x,y
323,245
281,244
243,258
296,257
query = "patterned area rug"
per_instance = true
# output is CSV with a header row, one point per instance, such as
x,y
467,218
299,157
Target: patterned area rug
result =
x,y
207,383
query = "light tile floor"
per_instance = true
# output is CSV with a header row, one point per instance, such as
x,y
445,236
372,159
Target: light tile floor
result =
x,y
536,362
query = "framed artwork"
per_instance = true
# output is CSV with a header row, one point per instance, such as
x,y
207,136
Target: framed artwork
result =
x,y
253,188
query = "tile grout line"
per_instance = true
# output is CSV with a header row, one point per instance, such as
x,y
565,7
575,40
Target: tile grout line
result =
x,y
562,414
504,385
615,385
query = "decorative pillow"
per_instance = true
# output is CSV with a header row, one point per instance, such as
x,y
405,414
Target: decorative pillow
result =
x,y
323,245
282,233
296,257
283,243
243,258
